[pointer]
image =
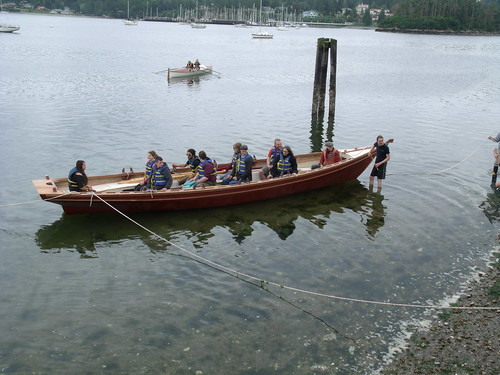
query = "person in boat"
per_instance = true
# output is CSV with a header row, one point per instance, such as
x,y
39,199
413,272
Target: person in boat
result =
x,y
284,164
193,162
234,160
197,65
190,65
380,166
273,152
242,171
150,162
329,156
161,178
207,172
77,179
496,155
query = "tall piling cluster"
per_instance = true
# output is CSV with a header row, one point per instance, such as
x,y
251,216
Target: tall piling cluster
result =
x,y
327,47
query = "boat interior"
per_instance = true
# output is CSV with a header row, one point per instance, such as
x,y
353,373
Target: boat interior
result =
x,y
124,180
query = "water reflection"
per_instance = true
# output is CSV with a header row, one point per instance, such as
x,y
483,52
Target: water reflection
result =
x,y
83,232
491,205
317,131
188,81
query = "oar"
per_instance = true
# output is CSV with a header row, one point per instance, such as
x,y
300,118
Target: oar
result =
x,y
215,71
161,71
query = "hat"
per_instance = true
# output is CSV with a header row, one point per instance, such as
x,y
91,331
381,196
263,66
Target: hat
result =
x,y
244,147
329,144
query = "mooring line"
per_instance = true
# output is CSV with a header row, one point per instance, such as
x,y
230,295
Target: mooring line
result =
x,y
35,201
264,283
444,170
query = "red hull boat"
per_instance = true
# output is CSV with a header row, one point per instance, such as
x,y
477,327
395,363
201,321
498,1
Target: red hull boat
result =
x,y
109,195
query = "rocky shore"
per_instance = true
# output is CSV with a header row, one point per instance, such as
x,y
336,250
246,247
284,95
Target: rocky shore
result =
x,y
459,341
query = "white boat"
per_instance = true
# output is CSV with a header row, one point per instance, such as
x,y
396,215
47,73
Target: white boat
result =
x,y
196,25
187,73
261,34
8,28
128,21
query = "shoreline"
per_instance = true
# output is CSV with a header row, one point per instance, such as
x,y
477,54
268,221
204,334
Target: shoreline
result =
x,y
437,32
458,341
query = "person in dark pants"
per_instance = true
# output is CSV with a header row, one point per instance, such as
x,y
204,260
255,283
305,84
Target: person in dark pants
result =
x,y
383,156
496,155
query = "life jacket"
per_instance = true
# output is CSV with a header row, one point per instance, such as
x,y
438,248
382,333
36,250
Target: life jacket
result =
x,y
71,183
284,166
149,168
157,179
190,162
201,171
332,157
236,157
242,165
275,152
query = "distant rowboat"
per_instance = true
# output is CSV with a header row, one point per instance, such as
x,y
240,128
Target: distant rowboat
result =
x,y
8,28
186,72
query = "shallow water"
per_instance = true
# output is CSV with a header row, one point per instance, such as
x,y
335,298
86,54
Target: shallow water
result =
x,y
93,293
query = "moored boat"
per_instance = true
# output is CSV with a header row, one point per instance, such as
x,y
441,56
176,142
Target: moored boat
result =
x,y
109,194
186,72
262,35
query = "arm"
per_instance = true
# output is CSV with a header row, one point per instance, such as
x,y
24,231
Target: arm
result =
x,y
168,177
293,162
387,158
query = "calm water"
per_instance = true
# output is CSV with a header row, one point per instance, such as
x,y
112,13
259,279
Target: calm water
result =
x,y
97,294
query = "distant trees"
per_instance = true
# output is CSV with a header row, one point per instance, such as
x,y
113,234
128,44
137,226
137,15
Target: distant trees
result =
x,y
458,15
367,18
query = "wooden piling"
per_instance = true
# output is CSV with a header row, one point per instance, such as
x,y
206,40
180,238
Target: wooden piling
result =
x,y
332,93
320,75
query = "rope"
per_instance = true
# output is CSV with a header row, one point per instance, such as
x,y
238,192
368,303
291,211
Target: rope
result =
x,y
444,170
35,201
263,282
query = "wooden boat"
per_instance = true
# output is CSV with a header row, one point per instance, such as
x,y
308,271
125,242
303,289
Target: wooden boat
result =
x,y
185,72
9,28
109,188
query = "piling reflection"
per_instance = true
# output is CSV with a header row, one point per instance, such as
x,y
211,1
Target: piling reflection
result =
x,y
317,129
84,233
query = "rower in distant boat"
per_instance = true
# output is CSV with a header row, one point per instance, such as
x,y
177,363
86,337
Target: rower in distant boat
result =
x,y
197,65
190,65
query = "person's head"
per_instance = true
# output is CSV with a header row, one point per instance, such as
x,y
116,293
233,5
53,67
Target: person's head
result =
x,y
237,147
329,145
159,161
287,151
244,150
151,155
203,155
277,143
80,165
380,140
191,153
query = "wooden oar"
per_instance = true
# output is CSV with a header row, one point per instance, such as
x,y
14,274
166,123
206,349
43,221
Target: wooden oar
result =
x,y
161,71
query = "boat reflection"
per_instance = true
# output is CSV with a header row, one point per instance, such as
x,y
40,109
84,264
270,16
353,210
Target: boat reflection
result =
x,y
491,206
85,233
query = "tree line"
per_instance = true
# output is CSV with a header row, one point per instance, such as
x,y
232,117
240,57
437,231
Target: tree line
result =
x,y
444,15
